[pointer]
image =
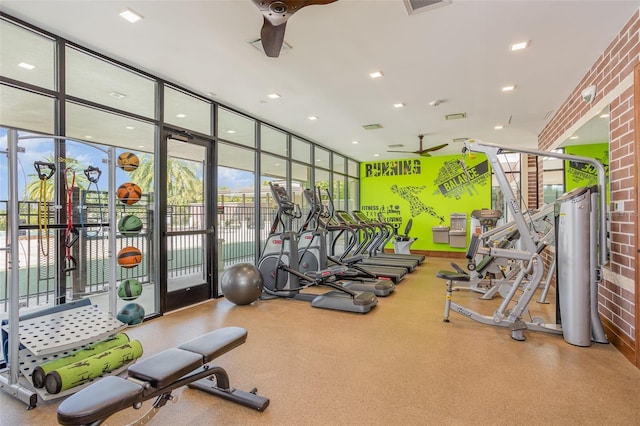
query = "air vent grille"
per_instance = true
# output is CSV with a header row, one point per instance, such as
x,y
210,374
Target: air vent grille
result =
x,y
257,43
396,145
374,126
415,6
460,139
457,116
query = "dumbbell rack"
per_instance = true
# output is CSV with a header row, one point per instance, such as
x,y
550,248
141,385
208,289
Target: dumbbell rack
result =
x,y
51,336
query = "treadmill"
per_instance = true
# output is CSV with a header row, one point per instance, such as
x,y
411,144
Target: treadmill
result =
x,y
369,233
396,275
349,233
384,236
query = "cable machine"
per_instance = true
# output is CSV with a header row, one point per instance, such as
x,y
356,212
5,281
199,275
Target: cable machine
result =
x,y
581,249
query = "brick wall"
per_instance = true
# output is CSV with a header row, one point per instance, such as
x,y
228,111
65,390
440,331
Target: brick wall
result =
x,y
534,194
617,292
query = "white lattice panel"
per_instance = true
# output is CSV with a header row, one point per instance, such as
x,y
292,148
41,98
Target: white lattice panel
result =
x,y
65,330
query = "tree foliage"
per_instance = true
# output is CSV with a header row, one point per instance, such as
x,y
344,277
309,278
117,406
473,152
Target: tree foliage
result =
x,y
184,186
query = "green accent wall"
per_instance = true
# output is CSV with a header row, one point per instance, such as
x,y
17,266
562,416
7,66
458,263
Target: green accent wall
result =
x,y
582,174
427,190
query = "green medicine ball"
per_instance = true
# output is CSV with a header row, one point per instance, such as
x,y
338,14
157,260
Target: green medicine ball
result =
x,y
131,314
129,289
130,225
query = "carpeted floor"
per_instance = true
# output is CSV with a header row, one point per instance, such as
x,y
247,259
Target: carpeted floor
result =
x,y
399,364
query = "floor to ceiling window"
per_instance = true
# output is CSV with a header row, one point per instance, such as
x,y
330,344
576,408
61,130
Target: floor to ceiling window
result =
x,y
90,110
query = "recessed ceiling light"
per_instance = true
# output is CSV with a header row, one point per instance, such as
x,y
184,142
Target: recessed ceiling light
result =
x,y
130,15
211,94
231,131
355,142
498,127
262,101
376,155
117,95
509,88
181,115
88,137
277,164
26,66
574,137
375,74
520,45
140,146
273,95
398,105
604,115
435,103
317,161
312,117
129,127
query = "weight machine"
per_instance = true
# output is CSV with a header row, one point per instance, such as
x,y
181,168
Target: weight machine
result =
x,y
581,251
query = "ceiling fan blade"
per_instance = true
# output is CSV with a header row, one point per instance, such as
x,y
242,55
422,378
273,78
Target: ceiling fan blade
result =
x,y
272,37
406,152
276,13
435,148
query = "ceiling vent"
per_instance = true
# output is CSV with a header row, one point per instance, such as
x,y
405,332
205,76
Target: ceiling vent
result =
x,y
457,140
372,126
456,116
415,6
396,145
257,43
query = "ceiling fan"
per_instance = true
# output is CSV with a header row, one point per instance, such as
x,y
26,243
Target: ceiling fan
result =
x,y
424,152
276,13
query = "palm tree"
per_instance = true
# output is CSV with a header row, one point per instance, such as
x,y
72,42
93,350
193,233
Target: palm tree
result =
x,y
184,186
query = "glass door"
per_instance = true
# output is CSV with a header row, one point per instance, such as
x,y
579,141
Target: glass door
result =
x,y
188,229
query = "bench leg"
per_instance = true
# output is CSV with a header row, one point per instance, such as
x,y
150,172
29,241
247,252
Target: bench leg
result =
x,y
447,304
220,387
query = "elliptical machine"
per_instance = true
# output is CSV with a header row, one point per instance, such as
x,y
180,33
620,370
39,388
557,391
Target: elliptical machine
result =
x,y
279,265
312,250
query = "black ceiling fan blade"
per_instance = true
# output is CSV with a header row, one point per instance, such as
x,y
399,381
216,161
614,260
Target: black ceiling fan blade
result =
x,y
272,37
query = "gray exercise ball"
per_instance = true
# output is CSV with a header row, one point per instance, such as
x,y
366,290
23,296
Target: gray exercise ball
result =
x,y
241,283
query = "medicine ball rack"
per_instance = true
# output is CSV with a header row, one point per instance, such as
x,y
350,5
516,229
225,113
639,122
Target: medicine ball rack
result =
x,y
11,380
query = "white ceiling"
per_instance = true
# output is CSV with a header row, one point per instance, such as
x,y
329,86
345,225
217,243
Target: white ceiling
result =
x,y
458,54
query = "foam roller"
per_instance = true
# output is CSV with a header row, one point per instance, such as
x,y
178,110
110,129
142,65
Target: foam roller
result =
x,y
89,368
41,371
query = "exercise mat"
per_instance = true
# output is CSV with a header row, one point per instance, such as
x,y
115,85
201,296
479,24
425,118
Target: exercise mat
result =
x,y
89,368
41,371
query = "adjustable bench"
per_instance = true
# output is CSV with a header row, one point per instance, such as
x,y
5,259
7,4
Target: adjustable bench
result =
x,y
157,376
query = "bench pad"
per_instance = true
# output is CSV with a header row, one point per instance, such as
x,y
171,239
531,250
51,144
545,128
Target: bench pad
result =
x,y
104,397
165,367
216,343
455,276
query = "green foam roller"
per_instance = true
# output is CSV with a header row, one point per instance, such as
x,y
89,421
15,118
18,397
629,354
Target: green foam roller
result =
x,y
40,372
81,372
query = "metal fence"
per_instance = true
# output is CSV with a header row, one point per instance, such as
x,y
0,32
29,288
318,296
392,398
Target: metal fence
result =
x,y
44,258
40,269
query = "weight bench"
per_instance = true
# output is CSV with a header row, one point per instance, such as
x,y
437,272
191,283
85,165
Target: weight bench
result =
x,y
157,376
